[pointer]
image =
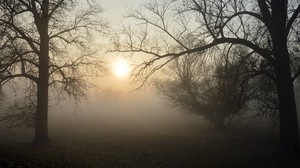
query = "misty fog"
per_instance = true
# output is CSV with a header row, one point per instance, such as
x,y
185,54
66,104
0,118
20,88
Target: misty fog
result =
x,y
149,83
113,107
111,111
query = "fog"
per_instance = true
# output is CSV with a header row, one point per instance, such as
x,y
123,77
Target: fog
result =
x,y
109,110
114,126
112,107
125,113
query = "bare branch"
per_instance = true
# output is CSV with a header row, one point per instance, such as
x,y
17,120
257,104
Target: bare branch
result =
x,y
292,19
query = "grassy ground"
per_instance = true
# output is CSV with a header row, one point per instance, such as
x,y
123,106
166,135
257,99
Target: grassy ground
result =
x,y
138,150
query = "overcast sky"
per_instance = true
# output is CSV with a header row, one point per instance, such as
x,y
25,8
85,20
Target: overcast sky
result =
x,y
113,9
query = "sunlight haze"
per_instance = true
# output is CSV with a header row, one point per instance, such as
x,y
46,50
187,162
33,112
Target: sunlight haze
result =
x,y
149,83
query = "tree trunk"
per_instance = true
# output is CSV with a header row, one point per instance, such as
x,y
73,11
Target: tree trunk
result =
x,y
41,117
289,131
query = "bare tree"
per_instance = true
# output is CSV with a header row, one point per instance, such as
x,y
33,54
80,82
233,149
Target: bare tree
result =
x,y
48,42
218,89
270,29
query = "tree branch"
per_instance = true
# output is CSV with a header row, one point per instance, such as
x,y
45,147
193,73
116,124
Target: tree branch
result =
x,y
292,19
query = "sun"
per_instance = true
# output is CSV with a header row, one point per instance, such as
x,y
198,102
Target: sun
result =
x,y
121,68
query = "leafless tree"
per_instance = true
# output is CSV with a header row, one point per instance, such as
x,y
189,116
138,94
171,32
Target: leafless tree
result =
x,y
48,42
269,28
218,89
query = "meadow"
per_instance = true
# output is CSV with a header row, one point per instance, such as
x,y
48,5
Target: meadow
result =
x,y
138,148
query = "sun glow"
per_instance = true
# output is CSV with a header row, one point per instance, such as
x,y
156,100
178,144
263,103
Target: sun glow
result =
x,y
121,68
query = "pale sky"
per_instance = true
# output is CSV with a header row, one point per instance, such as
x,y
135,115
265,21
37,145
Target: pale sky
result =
x,y
113,9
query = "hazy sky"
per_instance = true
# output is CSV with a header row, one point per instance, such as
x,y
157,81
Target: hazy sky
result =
x,y
113,9
140,109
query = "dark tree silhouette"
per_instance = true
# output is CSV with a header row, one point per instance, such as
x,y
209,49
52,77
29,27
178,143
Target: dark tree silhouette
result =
x,y
47,42
270,29
218,89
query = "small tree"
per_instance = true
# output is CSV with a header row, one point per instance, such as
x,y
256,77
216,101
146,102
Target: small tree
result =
x,y
218,90
48,42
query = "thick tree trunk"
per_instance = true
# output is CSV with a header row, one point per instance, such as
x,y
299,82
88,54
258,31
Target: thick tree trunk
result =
x,y
289,131
41,117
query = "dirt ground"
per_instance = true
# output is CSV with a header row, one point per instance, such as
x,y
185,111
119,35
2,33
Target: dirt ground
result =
x,y
136,149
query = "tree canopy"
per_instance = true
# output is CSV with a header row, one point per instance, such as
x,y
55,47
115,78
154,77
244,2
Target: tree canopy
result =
x,y
49,43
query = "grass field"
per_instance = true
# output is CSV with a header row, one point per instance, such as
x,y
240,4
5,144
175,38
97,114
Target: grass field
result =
x,y
137,149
